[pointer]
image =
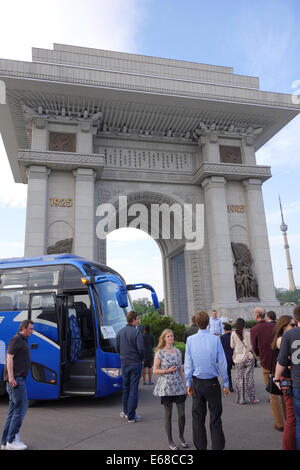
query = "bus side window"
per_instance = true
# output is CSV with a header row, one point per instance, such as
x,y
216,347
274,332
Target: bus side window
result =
x,y
44,315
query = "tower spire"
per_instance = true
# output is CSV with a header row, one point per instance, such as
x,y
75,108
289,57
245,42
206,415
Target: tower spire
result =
x,y
283,228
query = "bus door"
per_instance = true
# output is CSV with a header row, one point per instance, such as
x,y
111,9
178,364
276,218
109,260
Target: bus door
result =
x,y
44,378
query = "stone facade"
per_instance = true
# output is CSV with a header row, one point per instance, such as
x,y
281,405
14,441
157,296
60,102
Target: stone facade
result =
x,y
84,127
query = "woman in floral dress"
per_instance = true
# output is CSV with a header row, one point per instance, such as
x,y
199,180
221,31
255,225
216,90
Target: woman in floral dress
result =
x,y
170,385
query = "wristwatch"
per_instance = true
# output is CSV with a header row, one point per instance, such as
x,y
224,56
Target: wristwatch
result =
x,y
274,380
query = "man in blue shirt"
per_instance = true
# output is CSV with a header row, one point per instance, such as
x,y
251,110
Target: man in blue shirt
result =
x,y
215,324
204,360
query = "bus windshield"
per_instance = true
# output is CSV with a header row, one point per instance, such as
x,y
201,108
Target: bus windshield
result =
x,y
112,316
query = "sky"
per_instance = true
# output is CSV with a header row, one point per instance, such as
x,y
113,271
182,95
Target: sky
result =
x,y
260,38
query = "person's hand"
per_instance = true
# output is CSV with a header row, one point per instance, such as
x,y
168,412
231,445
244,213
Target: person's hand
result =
x,y
189,391
172,369
227,391
12,382
277,384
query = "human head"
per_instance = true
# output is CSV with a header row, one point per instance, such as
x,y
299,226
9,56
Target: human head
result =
x,y
26,328
194,320
162,338
147,328
259,313
227,328
132,318
282,325
297,314
214,313
239,327
271,316
202,320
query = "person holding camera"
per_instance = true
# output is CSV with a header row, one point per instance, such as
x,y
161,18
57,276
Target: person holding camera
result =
x,y
286,323
290,354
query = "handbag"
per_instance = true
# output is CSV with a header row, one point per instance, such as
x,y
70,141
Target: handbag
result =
x,y
272,387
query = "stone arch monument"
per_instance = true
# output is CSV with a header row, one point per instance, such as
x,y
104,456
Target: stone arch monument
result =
x,y
85,127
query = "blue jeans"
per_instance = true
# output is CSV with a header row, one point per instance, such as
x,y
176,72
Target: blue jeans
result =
x,y
17,408
131,378
296,403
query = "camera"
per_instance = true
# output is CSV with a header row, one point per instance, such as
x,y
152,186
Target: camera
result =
x,y
286,387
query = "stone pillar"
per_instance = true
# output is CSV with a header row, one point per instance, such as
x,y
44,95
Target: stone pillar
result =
x,y
224,294
84,243
37,209
258,234
248,151
210,148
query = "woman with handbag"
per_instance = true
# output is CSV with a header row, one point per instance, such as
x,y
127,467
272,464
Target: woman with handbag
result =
x,y
286,323
243,359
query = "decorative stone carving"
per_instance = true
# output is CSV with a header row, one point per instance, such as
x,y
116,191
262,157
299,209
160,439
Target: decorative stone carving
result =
x,y
62,142
245,282
62,246
230,154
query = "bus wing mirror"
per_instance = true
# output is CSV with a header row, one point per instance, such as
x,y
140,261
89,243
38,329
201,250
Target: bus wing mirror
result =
x,y
121,296
145,286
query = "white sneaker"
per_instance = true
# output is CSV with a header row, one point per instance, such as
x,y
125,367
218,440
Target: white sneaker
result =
x,y
123,415
18,439
3,447
15,445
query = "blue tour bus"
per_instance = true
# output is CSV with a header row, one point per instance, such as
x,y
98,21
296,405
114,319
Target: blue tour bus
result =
x,y
78,307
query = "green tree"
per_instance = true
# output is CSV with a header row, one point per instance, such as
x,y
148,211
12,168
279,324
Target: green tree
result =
x,y
284,295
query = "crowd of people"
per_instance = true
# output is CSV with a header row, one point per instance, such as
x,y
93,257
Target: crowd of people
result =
x,y
212,351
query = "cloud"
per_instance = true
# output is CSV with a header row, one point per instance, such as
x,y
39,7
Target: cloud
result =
x,y
92,23
283,151
11,194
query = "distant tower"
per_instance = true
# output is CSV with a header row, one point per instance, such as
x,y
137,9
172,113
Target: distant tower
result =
x,y
283,228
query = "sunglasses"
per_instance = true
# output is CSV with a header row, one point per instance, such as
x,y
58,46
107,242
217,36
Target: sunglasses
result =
x,y
293,324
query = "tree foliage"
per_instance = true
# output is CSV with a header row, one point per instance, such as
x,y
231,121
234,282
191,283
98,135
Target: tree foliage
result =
x,y
284,295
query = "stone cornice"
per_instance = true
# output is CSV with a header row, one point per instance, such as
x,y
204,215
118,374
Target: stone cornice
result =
x,y
232,172
59,161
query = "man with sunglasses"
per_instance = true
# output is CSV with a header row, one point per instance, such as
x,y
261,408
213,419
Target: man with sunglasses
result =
x,y
290,353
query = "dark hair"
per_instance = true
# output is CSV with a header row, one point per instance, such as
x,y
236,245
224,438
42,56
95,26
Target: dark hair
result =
x,y
131,316
147,328
283,321
25,324
297,313
227,327
202,320
271,315
239,327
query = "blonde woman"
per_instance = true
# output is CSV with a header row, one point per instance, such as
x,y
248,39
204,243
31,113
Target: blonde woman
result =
x,y
170,385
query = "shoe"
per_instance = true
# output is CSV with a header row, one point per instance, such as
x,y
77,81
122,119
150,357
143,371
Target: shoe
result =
x,y
278,428
3,446
150,383
145,383
255,402
123,415
172,447
183,444
15,445
136,419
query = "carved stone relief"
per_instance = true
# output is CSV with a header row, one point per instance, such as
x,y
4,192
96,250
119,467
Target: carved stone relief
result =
x,y
230,154
62,142
245,282
62,246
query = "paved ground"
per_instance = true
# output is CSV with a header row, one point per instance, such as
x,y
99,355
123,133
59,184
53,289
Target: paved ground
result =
x,y
92,424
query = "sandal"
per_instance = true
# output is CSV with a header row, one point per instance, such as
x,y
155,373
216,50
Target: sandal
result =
x,y
255,402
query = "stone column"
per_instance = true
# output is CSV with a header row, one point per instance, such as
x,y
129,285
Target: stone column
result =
x,y
37,209
258,234
224,294
84,243
248,151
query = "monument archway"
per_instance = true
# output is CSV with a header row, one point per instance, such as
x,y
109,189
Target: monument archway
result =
x,y
138,213
85,127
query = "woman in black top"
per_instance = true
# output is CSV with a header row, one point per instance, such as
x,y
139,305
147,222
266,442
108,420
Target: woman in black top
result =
x,y
148,348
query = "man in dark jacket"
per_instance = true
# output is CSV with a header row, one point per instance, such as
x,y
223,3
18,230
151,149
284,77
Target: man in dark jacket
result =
x,y
225,340
261,338
130,347
192,330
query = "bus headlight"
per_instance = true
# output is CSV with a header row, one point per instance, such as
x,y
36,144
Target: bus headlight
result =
x,y
112,371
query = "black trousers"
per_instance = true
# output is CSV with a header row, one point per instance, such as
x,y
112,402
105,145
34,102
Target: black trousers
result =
x,y
207,391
